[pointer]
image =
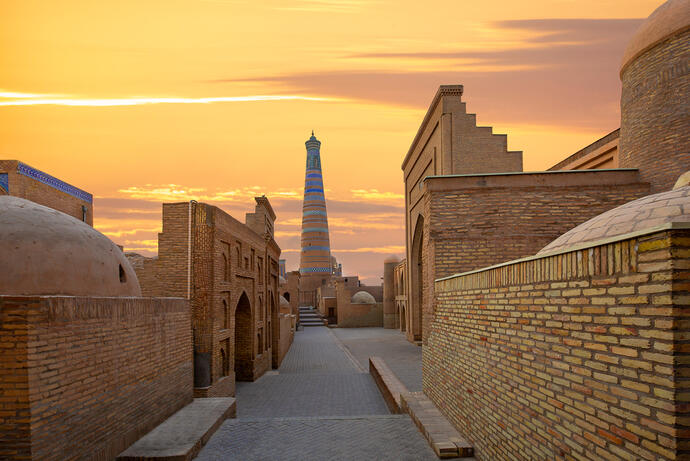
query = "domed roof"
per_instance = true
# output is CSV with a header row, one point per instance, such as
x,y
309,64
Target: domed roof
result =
x,y
670,18
46,252
362,297
391,259
644,213
284,302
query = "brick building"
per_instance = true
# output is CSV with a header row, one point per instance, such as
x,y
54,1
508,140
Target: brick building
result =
x,y
21,180
576,350
469,205
229,272
88,365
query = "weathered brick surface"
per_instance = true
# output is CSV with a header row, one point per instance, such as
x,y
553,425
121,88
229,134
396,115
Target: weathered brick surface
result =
x,y
86,377
448,142
580,355
400,293
224,267
477,221
654,112
43,194
355,315
290,291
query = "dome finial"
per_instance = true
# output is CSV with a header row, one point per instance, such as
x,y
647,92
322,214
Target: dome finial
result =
x,y
312,132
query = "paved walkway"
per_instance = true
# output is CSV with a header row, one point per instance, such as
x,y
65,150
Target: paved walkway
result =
x,y
402,357
319,405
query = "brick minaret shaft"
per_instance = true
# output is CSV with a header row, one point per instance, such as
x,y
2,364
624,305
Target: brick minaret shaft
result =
x,y
315,257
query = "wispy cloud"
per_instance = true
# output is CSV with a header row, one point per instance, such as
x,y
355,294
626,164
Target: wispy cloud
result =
x,y
29,99
375,194
325,6
176,192
581,55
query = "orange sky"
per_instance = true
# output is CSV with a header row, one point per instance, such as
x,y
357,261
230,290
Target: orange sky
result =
x,y
143,102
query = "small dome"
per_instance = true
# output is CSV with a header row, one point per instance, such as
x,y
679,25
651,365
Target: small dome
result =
x,y
670,18
683,180
391,259
284,302
46,252
644,213
362,297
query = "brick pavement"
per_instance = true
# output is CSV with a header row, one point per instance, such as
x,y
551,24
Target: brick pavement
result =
x,y
318,405
401,356
384,437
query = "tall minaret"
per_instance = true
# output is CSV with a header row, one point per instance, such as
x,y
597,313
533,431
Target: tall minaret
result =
x,y
315,258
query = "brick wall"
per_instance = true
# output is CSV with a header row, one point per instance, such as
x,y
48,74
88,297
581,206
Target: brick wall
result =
x,y
400,288
351,315
476,221
215,262
26,187
287,334
654,113
89,376
579,355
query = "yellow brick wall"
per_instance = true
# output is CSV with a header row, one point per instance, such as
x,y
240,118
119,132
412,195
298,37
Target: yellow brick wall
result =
x,y
581,355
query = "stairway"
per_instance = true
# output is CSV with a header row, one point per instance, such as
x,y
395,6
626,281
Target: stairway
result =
x,y
310,317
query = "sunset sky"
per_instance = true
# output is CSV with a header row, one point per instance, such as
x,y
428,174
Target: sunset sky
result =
x,y
150,101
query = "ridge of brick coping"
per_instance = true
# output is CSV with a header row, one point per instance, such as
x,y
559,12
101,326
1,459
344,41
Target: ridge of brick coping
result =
x,y
586,177
673,225
442,436
346,351
443,90
157,445
388,383
604,140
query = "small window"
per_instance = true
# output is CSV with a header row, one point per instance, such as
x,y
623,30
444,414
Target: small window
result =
x,y
226,317
123,276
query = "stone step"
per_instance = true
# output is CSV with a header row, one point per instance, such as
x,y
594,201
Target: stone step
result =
x,y
182,436
444,439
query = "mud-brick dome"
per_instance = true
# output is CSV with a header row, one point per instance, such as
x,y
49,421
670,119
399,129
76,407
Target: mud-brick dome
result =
x,y
362,297
46,252
284,303
647,212
654,135
667,20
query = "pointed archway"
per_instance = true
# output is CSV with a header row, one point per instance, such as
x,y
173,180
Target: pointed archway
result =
x,y
244,346
274,329
416,269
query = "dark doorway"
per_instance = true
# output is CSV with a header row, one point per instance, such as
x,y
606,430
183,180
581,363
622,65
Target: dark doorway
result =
x,y
416,281
244,369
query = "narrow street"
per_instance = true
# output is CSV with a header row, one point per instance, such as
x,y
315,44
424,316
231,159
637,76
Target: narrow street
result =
x,y
321,404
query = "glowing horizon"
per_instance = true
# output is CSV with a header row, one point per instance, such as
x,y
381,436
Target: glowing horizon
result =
x,y
36,100
151,102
